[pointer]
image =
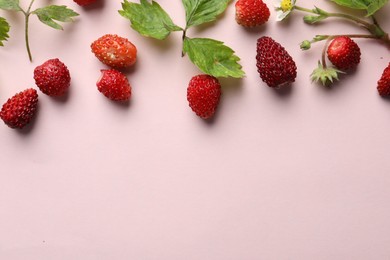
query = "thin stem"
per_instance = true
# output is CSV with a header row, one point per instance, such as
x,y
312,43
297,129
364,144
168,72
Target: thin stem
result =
x,y
307,10
27,17
339,15
364,36
26,37
385,39
352,18
183,38
323,56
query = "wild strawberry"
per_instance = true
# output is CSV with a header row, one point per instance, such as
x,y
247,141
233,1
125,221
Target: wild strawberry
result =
x,y
84,2
114,85
275,66
20,109
203,95
384,82
114,51
344,53
251,13
52,77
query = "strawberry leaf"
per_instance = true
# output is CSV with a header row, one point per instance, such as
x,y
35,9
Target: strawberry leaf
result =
x,y
10,5
375,6
371,6
149,19
49,14
213,57
203,11
4,29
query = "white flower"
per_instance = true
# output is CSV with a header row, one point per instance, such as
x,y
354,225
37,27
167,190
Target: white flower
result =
x,y
283,9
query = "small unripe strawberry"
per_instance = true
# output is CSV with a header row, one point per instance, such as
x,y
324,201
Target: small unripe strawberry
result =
x,y
114,51
275,66
52,77
344,53
114,85
18,111
203,95
251,13
384,82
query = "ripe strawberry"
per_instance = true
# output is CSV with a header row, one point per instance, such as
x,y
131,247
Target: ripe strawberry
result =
x,y
203,95
20,109
344,53
275,66
384,82
251,13
114,51
84,2
114,85
52,77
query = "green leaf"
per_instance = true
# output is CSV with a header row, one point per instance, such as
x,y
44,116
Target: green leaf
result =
x,y
354,4
49,14
213,57
203,11
371,6
149,19
375,6
4,29
10,5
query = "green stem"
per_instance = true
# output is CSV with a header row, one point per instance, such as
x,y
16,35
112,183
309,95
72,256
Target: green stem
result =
x,y
385,39
183,38
27,17
373,28
26,37
323,56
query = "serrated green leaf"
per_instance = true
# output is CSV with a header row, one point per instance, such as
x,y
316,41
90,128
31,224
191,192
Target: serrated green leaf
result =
x,y
203,11
4,29
10,5
371,6
49,14
149,19
213,57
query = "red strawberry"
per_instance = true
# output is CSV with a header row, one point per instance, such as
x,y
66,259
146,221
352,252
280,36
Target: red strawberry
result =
x,y
203,95
384,82
52,77
20,109
251,13
114,51
114,85
84,2
344,53
275,66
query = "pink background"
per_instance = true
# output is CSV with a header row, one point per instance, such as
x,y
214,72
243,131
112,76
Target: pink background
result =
x,y
296,175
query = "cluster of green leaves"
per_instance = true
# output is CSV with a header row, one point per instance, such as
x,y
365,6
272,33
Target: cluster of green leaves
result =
x,y
49,15
210,56
370,6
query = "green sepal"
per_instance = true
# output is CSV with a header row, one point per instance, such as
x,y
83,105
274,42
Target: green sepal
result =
x,y
4,29
312,19
49,14
148,19
203,11
213,57
325,75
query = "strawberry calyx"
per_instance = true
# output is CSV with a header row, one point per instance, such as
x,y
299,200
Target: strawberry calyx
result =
x,y
325,75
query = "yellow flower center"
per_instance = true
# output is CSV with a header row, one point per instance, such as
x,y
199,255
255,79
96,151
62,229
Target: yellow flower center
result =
x,y
286,5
